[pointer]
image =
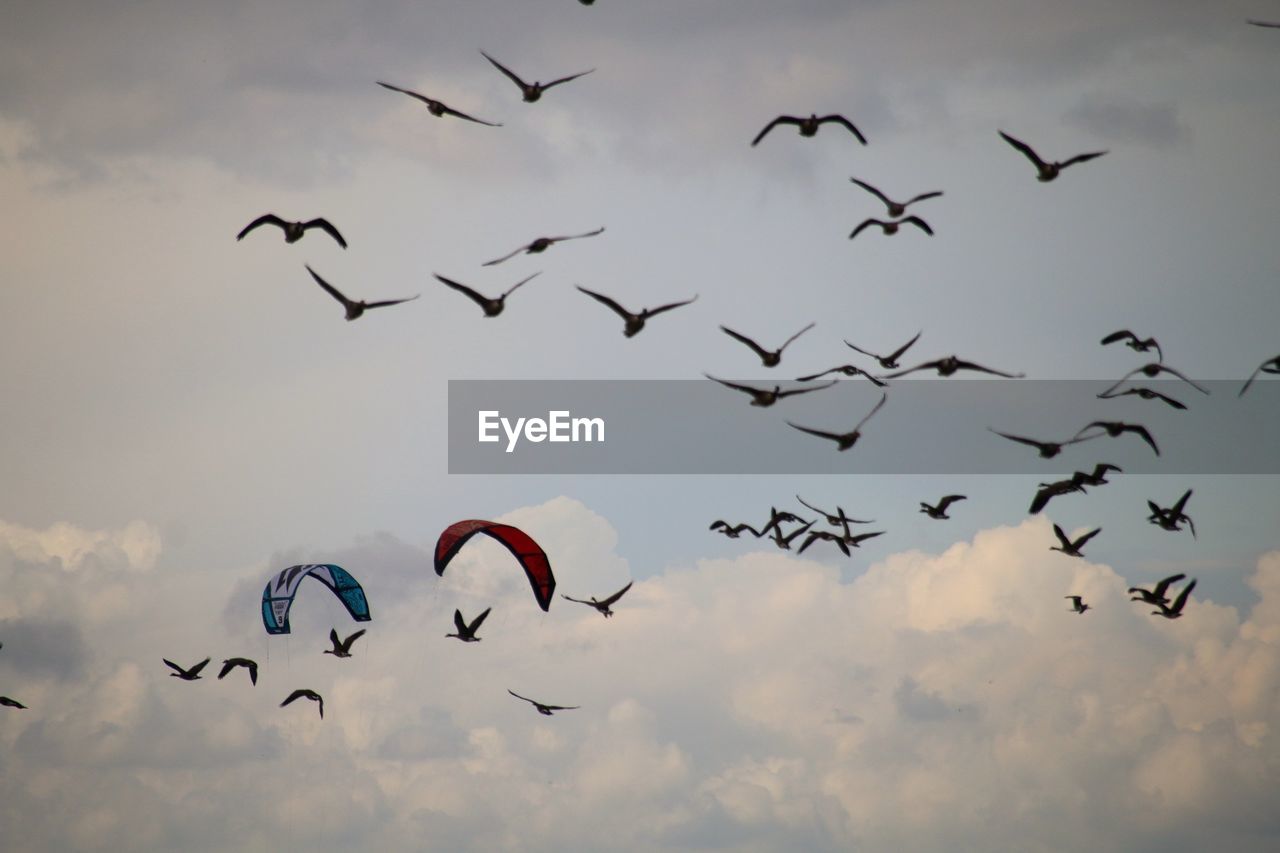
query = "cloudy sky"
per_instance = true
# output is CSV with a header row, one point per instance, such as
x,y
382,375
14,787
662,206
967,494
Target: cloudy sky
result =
x,y
185,414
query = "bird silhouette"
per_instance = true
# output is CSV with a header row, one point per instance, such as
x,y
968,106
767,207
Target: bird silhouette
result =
x,y
1134,343
467,632
1071,547
12,703
1174,611
1047,449
1115,429
1049,491
949,365
765,397
784,542
438,108
342,648
354,308
186,674
843,440
1144,393
1172,517
847,370
604,605
890,361
1271,365
770,358
733,531
836,519
544,709
809,126
541,244
940,511
231,663
1077,603
491,307
1047,171
304,693
895,208
1153,370
633,323
1158,594
531,91
293,231
891,227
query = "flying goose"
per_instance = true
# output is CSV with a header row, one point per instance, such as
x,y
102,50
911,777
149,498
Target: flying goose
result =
x,y
784,542
1271,365
531,91
1174,611
605,605
1049,491
1115,429
843,440
815,535
836,519
1153,370
1047,171
890,361
809,126
765,397
545,710
891,228
1047,449
1158,594
231,663
491,307
940,511
1143,393
1077,603
733,531
304,693
949,365
895,208
633,323
354,308
777,519
770,358
186,674
293,231
437,108
11,703
541,244
1172,517
342,648
1133,342
1099,475
1069,547
467,633
847,370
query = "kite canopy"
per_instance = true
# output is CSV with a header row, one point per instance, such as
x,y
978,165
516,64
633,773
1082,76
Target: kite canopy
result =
x,y
534,560
277,598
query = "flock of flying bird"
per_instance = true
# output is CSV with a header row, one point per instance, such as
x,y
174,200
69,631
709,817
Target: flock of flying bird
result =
x,y
840,535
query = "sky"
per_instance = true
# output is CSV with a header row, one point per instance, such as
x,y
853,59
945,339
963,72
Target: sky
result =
x,y
186,414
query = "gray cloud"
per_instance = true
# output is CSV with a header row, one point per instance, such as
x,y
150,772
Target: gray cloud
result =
x,y
43,648
1155,125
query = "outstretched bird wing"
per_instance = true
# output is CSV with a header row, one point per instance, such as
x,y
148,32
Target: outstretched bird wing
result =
x,y
844,122
264,219
771,125
326,226
511,75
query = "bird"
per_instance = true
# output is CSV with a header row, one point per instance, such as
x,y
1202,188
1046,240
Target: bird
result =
x,y
491,307
940,511
541,244
633,323
891,228
815,535
1099,475
890,361
1271,24
1047,171
1072,547
545,710
809,126
1271,365
895,208
186,674
605,605
1115,429
304,693
1047,449
1133,342
467,633
231,663
784,542
11,703
1157,595
1143,393
770,358
847,370
765,397
949,365
531,91
354,308
1153,370
777,519
1049,491
438,108
293,231
342,648
1172,517
854,540
843,440
836,519
733,531
1174,611
1077,603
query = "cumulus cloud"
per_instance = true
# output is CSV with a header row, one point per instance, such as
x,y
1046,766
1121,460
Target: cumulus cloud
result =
x,y
751,703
